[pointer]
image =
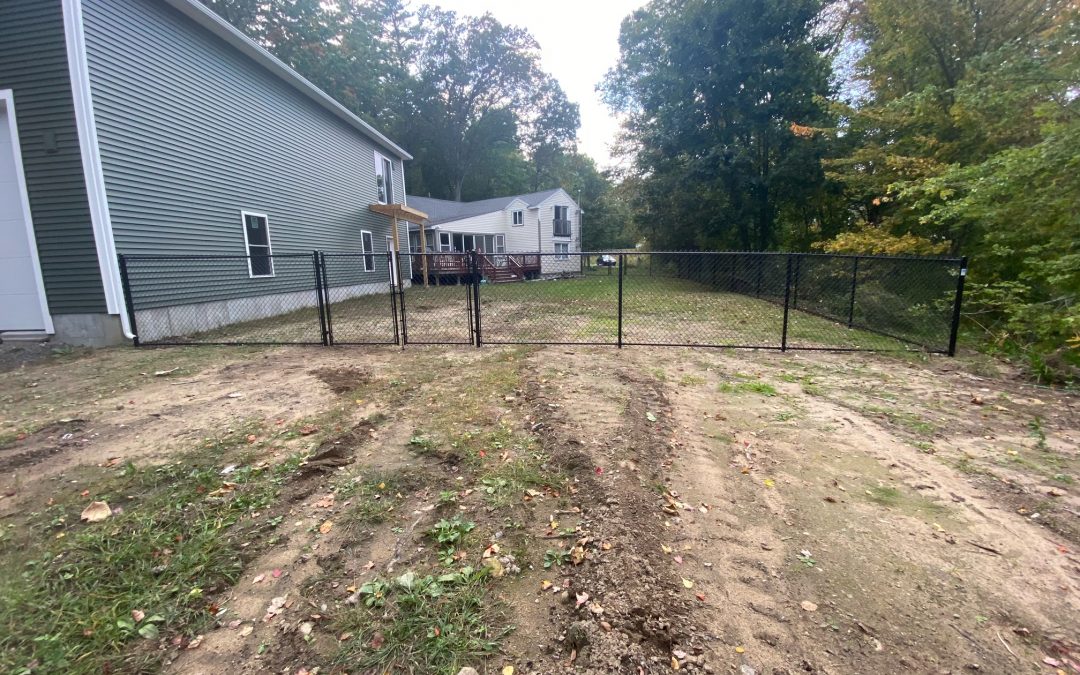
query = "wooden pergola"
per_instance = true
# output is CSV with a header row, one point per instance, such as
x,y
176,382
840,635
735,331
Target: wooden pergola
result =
x,y
398,212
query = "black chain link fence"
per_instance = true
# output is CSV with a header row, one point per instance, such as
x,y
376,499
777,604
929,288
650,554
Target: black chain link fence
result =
x,y
753,300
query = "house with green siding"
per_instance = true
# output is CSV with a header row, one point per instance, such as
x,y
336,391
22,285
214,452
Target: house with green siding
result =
x,y
153,127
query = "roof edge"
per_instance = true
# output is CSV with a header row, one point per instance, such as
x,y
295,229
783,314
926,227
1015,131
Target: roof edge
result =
x,y
206,18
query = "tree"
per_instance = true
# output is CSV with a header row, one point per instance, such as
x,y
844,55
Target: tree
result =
x,y
473,74
714,93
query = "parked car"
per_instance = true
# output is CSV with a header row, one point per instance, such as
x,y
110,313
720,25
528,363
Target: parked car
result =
x,y
606,261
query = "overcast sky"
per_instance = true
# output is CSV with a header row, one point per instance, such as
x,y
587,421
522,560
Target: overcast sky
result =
x,y
579,42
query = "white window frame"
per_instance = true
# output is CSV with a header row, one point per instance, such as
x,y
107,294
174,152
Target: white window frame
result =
x,y
448,245
387,193
562,255
517,218
368,251
247,247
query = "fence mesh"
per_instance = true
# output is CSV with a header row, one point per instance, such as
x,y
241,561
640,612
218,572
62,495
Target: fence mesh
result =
x,y
758,300
360,298
442,311
224,299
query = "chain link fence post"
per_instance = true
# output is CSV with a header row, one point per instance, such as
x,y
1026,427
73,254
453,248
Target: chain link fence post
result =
x,y
854,282
955,328
787,302
622,264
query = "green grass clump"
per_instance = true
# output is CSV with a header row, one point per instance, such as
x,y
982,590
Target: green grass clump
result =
x,y
68,600
417,624
752,386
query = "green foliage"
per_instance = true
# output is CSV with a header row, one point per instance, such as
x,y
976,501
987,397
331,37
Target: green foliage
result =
x,y
719,98
449,534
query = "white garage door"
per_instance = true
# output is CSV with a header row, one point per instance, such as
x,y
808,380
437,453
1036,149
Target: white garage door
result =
x,y
21,301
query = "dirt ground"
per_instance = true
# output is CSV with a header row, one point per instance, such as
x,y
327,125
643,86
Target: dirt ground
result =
x,y
711,511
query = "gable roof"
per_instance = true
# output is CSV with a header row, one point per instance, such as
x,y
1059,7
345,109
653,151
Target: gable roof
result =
x,y
445,210
200,14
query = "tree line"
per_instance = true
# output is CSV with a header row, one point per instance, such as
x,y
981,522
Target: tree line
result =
x,y
872,126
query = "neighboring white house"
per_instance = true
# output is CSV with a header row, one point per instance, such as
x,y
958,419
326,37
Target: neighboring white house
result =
x,y
544,222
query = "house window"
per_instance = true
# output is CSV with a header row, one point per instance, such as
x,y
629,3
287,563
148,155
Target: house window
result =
x,y
562,251
444,242
369,250
257,242
519,217
561,226
384,179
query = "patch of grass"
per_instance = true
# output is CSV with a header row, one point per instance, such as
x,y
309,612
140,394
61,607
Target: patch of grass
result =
x,y
786,415
68,600
752,386
420,624
886,496
506,484
374,496
691,381
659,374
810,388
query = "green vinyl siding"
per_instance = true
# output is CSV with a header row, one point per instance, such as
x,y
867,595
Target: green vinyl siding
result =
x,y
33,64
192,131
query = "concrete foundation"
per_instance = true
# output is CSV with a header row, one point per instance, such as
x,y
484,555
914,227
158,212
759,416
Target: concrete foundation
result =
x,y
180,320
88,330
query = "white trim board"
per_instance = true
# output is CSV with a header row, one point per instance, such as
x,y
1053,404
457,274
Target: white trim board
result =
x,y
247,247
7,98
91,161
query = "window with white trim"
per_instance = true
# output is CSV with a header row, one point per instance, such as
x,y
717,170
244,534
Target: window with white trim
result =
x,y
519,218
257,243
368,247
562,251
384,178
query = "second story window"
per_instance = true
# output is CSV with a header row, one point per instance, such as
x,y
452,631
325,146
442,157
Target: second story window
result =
x,y
519,217
561,226
384,179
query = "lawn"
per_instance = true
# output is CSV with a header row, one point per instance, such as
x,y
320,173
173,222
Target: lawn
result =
x,y
657,310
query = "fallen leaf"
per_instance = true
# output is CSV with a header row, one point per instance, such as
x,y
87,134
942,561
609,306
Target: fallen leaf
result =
x,y
740,650
276,574
84,493
163,373
650,416
96,512
666,549
769,483
194,644
326,527
687,583
700,596
308,429
369,565
678,559
582,598
377,640
808,606
325,503
545,584
674,663
246,630
252,438
306,628
236,394
508,670
258,579
138,615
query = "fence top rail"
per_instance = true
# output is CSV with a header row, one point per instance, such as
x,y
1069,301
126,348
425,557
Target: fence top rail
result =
x,y
193,256
807,254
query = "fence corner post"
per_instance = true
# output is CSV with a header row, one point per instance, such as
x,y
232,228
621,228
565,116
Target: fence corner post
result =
x,y
957,301
622,264
787,302
129,302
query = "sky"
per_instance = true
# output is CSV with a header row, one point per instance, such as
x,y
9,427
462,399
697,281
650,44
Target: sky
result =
x,y
579,42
